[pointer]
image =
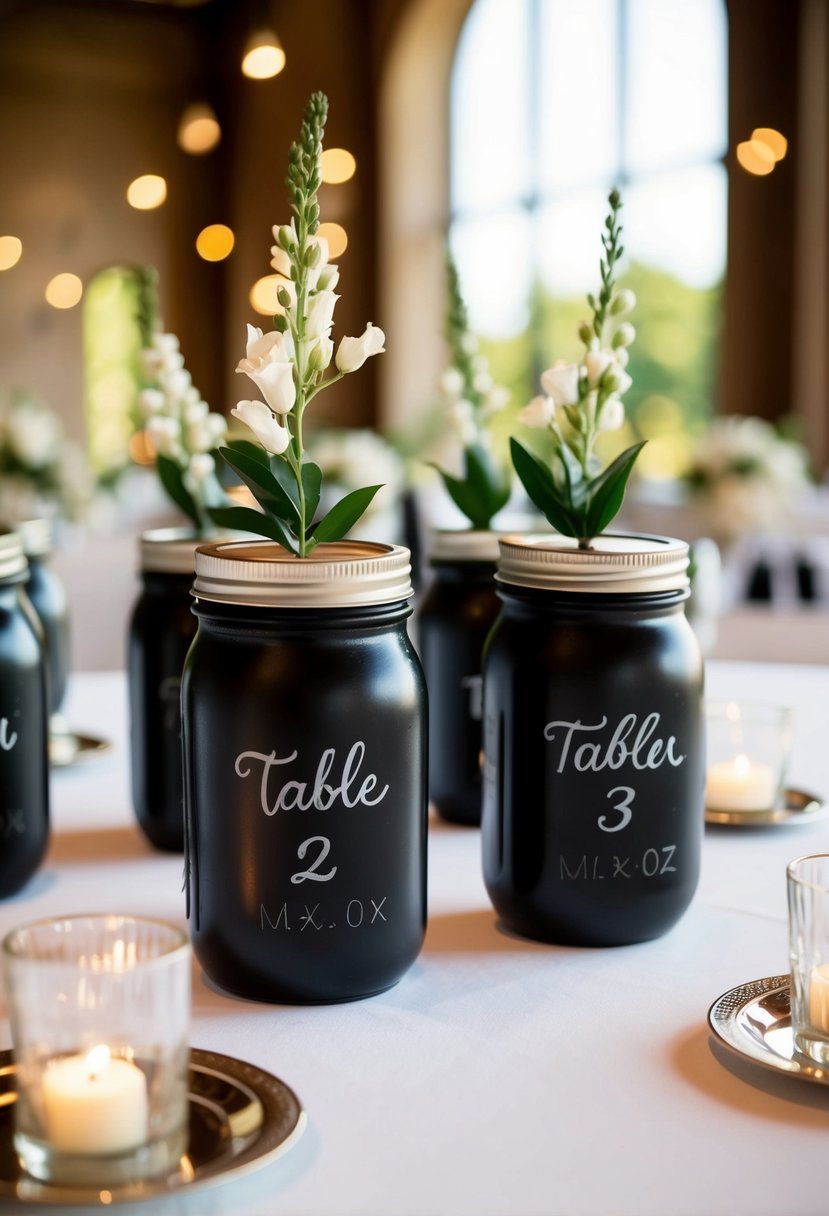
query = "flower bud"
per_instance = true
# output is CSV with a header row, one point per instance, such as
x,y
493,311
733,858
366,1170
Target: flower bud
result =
x,y
624,335
586,334
611,415
539,413
151,401
622,301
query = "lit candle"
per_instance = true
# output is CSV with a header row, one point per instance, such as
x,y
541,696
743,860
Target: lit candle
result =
x,y
95,1104
819,998
740,785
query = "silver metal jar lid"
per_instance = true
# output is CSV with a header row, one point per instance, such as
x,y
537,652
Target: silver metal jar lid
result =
x,y
168,551
342,574
13,564
467,545
36,536
614,565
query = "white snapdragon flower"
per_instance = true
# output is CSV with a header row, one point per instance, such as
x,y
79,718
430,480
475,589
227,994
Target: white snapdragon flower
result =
x,y
612,414
353,352
451,382
539,413
482,382
496,399
201,467
151,401
320,353
320,314
34,435
280,262
276,383
195,411
265,348
596,363
462,415
271,434
561,383
268,363
625,335
329,277
165,435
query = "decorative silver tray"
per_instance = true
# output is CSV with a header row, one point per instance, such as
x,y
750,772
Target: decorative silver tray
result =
x,y
796,806
241,1119
755,1021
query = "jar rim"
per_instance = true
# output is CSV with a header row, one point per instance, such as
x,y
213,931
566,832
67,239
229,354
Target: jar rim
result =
x,y
616,563
337,574
13,563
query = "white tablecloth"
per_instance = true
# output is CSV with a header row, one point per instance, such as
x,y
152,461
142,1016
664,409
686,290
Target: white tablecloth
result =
x,y
500,1077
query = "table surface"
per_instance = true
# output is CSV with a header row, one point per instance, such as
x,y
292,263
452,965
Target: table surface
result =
x,y
500,1076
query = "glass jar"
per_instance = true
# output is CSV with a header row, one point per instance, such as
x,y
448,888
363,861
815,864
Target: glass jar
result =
x,y
304,711
457,614
594,741
161,630
48,598
24,726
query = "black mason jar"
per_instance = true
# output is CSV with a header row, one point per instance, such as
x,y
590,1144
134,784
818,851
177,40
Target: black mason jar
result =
x,y
594,741
24,726
48,598
304,711
457,614
161,630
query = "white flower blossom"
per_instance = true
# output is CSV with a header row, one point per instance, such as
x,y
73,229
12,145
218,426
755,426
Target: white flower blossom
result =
x,y
151,401
622,302
611,415
274,437
451,382
201,466
320,315
561,383
353,352
596,363
165,435
539,413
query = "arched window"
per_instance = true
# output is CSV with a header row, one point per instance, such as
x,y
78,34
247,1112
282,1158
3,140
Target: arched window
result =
x,y
552,103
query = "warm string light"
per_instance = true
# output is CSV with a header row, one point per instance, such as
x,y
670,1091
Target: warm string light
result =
x,y
337,165
215,242
11,248
760,154
199,129
64,291
264,57
147,192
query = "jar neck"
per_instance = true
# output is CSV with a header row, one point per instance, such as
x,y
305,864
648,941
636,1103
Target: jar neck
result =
x,y
229,617
10,595
530,601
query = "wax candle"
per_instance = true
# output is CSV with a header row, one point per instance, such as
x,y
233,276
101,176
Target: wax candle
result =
x,y
94,1104
819,998
740,785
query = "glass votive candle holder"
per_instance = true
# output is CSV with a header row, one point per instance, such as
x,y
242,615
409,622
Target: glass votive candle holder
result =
x,y
100,1012
748,755
808,894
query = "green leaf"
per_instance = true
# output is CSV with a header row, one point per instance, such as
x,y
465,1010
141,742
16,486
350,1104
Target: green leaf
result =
x,y
172,478
538,481
245,519
343,515
483,478
465,499
247,448
311,487
607,491
263,484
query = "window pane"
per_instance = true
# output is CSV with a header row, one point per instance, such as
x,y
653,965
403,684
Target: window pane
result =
x,y
578,93
490,106
676,83
568,255
677,222
494,260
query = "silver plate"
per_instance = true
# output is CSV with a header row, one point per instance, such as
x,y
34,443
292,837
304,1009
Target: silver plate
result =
x,y
796,806
241,1119
755,1021
67,748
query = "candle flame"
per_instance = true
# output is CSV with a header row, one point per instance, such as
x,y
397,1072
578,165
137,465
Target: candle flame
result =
x,y
97,1061
742,765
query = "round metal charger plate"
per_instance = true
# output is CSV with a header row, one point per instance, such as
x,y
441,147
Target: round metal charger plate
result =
x,y
754,1020
67,748
796,807
241,1119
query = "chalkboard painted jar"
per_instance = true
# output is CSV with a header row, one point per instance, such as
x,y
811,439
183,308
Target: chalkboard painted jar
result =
x,y
48,598
161,630
457,614
594,741
24,721
304,712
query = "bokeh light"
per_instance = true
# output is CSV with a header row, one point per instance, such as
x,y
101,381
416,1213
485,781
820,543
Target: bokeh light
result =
x,y
337,166
64,291
147,192
11,248
215,242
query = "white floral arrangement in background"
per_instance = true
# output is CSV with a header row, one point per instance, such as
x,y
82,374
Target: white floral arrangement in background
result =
x,y
745,477
181,429
41,472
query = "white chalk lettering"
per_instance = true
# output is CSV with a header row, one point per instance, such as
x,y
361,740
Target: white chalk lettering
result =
x,y
311,872
352,789
632,742
8,737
